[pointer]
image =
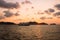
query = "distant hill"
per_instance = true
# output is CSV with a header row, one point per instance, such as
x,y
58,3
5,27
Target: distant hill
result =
x,y
31,23
43,23
52,24
24,24
7,23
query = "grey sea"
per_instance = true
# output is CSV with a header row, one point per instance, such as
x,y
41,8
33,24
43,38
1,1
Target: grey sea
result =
x,y
33,32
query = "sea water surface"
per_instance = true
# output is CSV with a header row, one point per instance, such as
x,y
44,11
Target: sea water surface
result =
x,y
33,32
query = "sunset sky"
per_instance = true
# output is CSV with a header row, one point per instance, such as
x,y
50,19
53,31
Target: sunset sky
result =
x,y
30,10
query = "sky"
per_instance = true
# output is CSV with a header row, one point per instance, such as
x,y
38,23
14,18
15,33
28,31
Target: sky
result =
x,y
18,11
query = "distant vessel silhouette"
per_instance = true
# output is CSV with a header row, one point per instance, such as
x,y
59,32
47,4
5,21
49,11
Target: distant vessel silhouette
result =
x,y
23,24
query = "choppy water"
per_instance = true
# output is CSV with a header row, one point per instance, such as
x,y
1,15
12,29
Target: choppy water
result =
x,y
33,32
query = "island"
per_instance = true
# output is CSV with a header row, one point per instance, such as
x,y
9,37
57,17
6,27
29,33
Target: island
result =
x,y
31,23
53,24
24,23
7,23
43,23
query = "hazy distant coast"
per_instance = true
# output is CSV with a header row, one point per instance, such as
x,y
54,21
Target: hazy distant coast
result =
x,y
26,23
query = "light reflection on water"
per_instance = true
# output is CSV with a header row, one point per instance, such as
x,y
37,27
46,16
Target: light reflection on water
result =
x,y
33,32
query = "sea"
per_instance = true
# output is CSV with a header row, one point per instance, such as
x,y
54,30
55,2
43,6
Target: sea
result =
x,y
32,32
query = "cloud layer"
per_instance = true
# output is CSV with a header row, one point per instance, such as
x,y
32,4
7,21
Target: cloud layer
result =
x,y
26,2
1,17
57,14
4,4
51,10
8,13
57,6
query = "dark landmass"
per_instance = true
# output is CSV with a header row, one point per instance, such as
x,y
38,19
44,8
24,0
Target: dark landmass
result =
x,y
52,24
25,23
7,23
31,23
43,23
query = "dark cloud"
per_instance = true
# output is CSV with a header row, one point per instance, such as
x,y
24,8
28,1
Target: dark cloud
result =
x,y
57,6
26,2
4,4
32,7
17,14
8,13
39,13
49,17
43,18
1,17
57,14
51,10
46,11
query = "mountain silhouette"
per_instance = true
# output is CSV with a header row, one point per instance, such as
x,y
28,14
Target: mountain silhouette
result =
x,y
7,23
43,23
52,24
